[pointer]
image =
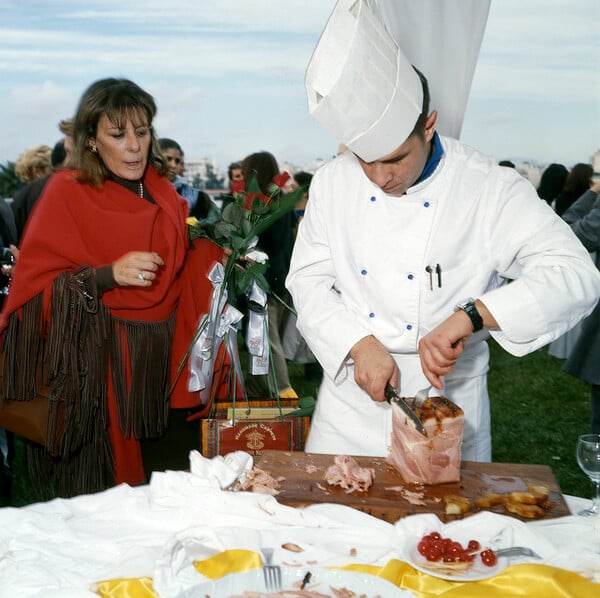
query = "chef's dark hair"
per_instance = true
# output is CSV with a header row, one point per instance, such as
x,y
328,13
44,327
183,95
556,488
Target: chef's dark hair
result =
x,y
419,128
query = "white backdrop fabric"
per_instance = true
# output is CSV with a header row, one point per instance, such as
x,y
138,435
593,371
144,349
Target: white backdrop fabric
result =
x,y
442,39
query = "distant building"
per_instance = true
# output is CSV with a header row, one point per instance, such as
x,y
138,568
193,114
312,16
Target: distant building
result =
x,y
532,172
596,162
204,173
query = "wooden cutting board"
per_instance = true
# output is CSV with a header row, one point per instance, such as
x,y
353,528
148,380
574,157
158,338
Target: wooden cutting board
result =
x,y
303,485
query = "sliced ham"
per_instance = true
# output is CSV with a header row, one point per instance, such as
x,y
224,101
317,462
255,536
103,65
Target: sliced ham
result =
x,y
434,459
258,480
348,474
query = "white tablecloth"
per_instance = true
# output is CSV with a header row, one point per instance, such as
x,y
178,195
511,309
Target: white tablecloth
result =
x,y
61,548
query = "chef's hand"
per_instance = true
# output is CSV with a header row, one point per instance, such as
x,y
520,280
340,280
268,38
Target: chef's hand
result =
x,y
440,349
374,367
137,268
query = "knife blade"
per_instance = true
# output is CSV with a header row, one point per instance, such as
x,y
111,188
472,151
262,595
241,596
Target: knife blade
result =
x,y
392,395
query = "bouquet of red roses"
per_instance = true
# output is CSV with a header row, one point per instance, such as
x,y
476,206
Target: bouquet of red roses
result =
x,y
242,221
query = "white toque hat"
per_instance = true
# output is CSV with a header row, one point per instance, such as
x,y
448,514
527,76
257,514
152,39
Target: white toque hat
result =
x,y
360,85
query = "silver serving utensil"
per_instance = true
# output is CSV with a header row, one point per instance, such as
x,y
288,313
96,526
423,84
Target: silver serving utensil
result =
x,y
422,395
517,551
272,573
392,395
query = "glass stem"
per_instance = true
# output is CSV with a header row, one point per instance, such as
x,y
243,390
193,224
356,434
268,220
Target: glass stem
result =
x,y
596,499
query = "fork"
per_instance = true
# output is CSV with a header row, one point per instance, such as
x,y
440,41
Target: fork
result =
x,y
517,551
272,573
422,395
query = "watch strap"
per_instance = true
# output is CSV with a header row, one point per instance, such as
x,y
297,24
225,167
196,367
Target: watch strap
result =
x,y
471,311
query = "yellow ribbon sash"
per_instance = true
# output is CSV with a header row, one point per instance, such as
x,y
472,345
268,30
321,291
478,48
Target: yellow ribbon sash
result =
x,y
517,580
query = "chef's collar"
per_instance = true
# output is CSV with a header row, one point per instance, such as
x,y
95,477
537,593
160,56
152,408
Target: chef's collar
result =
x,y
433,160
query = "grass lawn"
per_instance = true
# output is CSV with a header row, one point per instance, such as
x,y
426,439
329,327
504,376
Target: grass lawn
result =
x,y
537,413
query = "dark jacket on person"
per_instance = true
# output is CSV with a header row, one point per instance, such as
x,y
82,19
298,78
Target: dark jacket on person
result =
x,y
277,242
584,218
24,201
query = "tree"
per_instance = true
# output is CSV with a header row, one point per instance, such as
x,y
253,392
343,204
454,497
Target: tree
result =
x,y
9,182
213,180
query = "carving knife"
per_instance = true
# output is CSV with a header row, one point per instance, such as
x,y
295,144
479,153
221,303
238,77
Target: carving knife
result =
x,y
392,395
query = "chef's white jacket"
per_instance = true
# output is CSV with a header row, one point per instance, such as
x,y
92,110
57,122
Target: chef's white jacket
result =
x,y
359,268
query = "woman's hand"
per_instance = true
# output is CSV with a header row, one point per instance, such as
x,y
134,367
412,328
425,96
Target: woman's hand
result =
x,y
137,268
243,261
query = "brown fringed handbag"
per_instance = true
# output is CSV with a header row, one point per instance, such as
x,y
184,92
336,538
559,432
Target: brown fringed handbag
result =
x,y
31,418
39,412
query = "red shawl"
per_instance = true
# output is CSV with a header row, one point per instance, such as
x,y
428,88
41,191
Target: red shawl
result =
x,y
75,225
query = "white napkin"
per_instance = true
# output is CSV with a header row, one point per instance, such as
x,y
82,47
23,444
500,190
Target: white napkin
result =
x,y
222,470
576,541
320,547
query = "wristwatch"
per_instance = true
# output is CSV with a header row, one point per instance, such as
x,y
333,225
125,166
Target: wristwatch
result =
x,y
469,308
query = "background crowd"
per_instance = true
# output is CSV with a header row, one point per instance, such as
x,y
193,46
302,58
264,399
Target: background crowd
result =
x,y
572,193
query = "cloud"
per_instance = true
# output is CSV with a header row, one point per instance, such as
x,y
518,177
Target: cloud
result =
x,y
228,75
538,50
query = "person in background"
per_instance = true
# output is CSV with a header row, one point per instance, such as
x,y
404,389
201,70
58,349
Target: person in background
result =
x,y
201,205
506,163
234,172
235,176
96,297
181,167
276,242
294,346
301,179
28,196
34,163
552,182
8,239
584,359
399,268
551,187
577,183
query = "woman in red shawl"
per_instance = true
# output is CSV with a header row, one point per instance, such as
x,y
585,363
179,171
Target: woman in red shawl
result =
x,y
103,266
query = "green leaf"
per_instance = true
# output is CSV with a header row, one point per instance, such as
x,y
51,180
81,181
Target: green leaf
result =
x,y
252,186
243,281
261,281
238,242
228,212
258,268
260,208
224,230
247,227
278,208
273,189
306,407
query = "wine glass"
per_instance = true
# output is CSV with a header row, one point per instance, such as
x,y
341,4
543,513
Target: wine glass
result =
x,y
588,458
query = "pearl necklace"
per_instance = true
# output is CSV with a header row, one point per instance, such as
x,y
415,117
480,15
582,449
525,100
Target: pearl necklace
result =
x,y
141,190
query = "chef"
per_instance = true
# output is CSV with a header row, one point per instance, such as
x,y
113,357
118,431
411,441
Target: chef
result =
x,y
414,249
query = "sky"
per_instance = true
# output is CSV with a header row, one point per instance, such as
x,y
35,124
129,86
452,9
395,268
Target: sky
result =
x,y
228,75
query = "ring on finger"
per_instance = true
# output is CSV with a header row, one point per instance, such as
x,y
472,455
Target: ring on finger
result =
x,y
141,275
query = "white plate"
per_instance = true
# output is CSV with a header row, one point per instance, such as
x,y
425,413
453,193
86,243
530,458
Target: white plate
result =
x,y
321,580
476,572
